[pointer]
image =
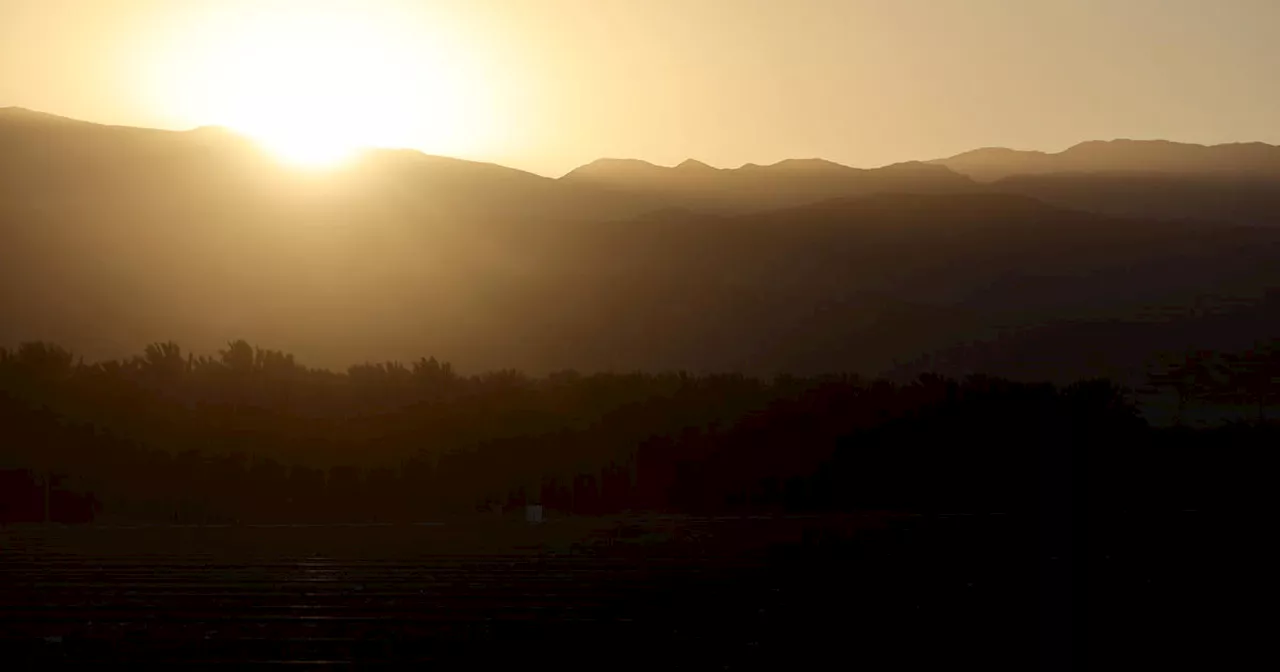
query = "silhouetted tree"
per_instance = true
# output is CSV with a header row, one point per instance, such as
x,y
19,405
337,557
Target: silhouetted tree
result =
x,y
251,434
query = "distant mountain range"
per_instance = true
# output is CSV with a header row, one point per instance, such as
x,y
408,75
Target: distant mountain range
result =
x,y
1020,263
1235,183
1153,178
788,183
1161,157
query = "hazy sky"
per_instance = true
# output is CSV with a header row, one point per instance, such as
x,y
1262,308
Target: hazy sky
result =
x,y
546,85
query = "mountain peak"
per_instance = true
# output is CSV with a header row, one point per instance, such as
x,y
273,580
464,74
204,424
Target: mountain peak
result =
x,y
809,164
1127,143
608,162
914,167
992,153
611,168
693,164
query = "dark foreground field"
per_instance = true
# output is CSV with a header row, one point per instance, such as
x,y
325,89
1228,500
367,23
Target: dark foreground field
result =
x,y
866,591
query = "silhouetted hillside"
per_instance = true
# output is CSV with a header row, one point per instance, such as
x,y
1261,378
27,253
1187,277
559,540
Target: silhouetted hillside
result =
x,y
1237,160
52,161
859,283
1251,200
1237,183
110,235
693,184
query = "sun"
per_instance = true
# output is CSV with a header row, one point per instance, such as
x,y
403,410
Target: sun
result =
x,y
314,142
314,83
316,87
308,150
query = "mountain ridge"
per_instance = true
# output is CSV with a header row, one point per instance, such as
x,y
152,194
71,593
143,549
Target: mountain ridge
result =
x,y
990,164
1085,156
804,265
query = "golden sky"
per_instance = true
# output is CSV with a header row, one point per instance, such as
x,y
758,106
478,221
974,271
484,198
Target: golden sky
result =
x,y
546,85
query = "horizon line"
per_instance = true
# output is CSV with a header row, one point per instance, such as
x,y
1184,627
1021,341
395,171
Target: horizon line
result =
x,y
689,160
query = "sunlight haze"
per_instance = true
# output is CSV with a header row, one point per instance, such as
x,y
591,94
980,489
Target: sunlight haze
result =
x,y
547,86
635,334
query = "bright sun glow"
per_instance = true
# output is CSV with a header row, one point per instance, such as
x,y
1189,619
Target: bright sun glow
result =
x,y
316,82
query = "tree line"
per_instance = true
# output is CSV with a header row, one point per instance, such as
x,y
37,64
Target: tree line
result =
x,y
251,435
1249,377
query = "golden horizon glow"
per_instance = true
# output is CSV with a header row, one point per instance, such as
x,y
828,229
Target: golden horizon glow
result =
x,y
315,83
550,85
